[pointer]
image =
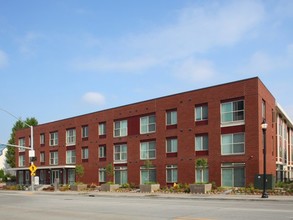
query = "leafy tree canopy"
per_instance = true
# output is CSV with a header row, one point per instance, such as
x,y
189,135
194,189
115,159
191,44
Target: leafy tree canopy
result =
x,y
19,124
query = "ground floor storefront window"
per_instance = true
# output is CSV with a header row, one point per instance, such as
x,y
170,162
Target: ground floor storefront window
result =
x,y
148,175
233,174
120,174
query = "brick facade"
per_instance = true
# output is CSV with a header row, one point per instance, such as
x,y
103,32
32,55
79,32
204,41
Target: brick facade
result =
x,y
251,91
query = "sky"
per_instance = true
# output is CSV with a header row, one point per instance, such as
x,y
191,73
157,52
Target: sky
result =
x,y
63,58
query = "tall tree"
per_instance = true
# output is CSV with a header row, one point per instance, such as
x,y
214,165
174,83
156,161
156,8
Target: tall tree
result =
x,y
19,124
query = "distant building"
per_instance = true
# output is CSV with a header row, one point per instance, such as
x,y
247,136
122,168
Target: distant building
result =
x,y
3,164
220,123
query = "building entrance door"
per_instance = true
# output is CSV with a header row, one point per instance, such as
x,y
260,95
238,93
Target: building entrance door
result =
x,y
55,174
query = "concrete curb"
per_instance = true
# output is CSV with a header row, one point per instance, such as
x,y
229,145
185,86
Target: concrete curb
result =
x,y
158,195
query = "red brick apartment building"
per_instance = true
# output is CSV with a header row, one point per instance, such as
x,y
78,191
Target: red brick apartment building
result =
x,y
220,123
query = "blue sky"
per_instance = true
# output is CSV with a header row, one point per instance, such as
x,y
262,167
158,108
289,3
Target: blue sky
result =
x,y
62,58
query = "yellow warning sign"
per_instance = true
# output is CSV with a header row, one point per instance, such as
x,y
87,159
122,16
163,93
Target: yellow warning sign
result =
x,y
33,169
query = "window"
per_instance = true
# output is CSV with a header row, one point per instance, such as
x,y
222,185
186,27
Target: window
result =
x,y
172,145
84,131
233,174
21,160
147,124
120,128
54,158
120,153
172,175
232,111
85,153
42,138
42,157
202,175
54,138
148,175
27,177
70,157
263,109
233,143
147,150
102,128
201,142
102,151
71,176
70,137
201,113
171,117
20,177
102,175
21,142
120,174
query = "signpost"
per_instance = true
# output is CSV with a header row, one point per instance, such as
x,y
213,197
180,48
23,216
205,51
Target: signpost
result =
x,y
33,169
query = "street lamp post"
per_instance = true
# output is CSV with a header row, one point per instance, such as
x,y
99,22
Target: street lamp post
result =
x,y
32,151
264,126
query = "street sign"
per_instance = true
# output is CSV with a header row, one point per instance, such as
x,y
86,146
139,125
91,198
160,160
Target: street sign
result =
x,y
33,169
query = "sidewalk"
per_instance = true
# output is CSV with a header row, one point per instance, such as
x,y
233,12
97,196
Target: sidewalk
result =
x,y
169,195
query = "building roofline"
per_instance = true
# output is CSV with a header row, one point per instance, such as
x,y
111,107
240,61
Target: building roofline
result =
x,y
162,97
284,114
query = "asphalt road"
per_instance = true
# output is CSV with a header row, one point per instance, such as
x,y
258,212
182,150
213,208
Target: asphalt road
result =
x,y
32,206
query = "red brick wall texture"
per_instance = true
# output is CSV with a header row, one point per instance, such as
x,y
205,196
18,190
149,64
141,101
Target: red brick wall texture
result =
x,y
252,91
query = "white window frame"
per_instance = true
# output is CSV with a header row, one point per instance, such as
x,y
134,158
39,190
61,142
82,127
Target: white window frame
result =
x,y
85,131
147,171
70,157
21,160
53,141
42,138
123,174
54,158
232,167
199,111
120,156
21,142
147,151
102,151
70,137
171,117
203,173
102,175
171,145
84,153
148,124
233,112
200,144
233,144
42,157
102,128
120,128
171,173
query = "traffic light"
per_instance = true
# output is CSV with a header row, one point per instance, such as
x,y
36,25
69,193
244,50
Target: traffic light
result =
x,y
33,159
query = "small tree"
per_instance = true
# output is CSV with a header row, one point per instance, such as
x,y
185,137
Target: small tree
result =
x,y
79,171
109,171
201,164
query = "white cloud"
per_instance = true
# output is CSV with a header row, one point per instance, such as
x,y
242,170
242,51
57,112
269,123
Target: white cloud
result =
x,y
196,31
262,63
195,70
3,59
94,98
